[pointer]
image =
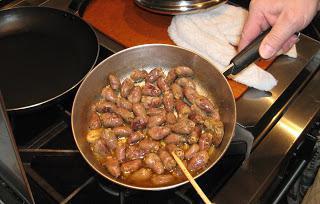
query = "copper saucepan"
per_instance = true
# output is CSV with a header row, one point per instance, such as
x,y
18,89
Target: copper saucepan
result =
x,y
209,80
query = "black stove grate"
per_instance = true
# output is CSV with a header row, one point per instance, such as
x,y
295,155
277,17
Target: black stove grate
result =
x,y
57,169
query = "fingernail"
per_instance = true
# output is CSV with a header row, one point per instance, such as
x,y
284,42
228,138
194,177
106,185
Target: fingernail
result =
x,y
290,45
266,51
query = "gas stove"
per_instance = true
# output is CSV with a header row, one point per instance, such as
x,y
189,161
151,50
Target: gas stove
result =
x,y
58,174
278,130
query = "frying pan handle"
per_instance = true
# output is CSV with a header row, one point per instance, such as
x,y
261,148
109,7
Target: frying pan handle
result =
x,y
248,55
78,6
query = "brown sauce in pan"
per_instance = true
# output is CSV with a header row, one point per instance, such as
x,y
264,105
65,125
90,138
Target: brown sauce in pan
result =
x,y
135,125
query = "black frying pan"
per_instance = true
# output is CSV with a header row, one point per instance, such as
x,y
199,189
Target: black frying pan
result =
x,y
44,53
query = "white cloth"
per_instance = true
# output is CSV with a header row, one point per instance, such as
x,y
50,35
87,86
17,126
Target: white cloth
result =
x,y
213,34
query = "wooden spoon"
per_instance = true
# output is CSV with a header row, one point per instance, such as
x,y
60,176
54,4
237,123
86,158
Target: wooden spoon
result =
x,y
191,179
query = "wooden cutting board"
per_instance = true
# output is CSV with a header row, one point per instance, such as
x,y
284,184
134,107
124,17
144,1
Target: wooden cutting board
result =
x,y
129,25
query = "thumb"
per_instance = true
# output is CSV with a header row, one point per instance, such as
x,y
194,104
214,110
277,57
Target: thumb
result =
x,y
281,31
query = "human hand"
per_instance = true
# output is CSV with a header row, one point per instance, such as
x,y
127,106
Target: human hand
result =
x,y
285,16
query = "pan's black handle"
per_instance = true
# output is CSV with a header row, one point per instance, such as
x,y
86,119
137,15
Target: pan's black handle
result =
x,y
248,55
78,6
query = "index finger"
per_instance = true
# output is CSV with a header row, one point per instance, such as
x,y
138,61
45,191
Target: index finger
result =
x,y
255,24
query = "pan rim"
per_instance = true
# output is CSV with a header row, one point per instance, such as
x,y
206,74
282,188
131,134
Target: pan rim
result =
x,y
161,187
90,29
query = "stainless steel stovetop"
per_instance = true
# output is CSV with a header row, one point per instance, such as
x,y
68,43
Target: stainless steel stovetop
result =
x,y
278,121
